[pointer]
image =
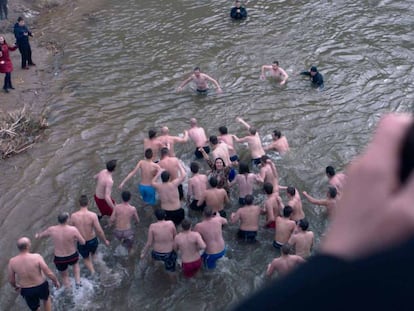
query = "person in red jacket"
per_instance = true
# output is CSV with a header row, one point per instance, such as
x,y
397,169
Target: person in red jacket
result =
x,y
6,65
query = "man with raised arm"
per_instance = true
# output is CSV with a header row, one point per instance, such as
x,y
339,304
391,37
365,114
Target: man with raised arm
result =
x,y
200,80
122,217
103,190
253,140
64,238
302,239
148,169
88,225
197,186
330,202
211,231
168,141
279,143
229,140
161,236
285,263
169,197
189,244
199,137
275,72
26,273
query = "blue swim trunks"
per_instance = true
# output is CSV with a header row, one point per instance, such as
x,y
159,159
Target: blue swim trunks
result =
x,y
210,259
147,193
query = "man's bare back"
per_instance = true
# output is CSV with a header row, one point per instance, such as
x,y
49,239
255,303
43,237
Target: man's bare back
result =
x,y
248,216
189,243
197,186
123,215
302,241
211,232
87,224
284,264
284,229
216,198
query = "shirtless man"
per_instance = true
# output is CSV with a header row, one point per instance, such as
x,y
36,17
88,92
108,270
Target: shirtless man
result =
x,y
199,137
228,139
148,170
88,225
26,273
103,190
161,236
200,79
168,141
302,240
189,244
245,181
169,197
211,231
248,216
153,143
268,172
285,263
295,202
220,150
279,143
173,166
275,72
284,228
330,201
197,186
214,197
337,180
122,217
64,238
273,205
253,140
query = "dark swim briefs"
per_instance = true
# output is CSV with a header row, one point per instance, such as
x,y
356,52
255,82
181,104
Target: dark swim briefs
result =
x,y
256,161
277,245
180,192
248,236
32,295
234,158
169,259
194,206
89,247
202,92
176,216
199,155
62,263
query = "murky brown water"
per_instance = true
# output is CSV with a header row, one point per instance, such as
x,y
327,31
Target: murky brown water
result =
x,y
121,64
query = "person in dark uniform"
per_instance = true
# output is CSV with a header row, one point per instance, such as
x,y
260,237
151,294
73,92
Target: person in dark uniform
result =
x,y
22,33
238,12
315,76
3,9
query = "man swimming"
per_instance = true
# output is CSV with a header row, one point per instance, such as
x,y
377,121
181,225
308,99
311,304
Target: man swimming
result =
x,y
200,79
275,72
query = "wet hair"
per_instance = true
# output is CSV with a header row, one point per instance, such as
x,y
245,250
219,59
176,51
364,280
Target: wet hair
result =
x,y
286,249
83,200
264,158
224,163
164,151
160,214
213,140
63,217
197,68
20,18
287,211
314,69
194,167
248,199
277,133
208,211
304,224
330,171
213,182
165,176
223,130
252,130
244,168
332,192
126,196
152,133
268,188
23,244
110,165
291,190
186,224
276,62
148,153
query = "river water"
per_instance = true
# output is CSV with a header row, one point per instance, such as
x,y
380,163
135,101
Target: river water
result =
x,y
116,78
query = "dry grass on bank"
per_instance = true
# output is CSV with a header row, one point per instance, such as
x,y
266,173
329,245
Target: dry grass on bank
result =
x,y
19,131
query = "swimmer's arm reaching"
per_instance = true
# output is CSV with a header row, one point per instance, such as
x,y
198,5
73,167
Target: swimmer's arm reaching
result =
x,y
234,217
285,76
264,69
315,201
149,242
43,233
99,231
45,269
217,85
184,83
305,73
132,173
79,237
246,125
200,242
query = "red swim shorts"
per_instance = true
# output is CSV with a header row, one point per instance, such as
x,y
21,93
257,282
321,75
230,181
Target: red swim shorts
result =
x,y
104,208
191,268
271,224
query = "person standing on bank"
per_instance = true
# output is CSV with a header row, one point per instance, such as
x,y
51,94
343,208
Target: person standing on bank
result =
x,y
22,34
315,76
238,12
3,9
6,65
